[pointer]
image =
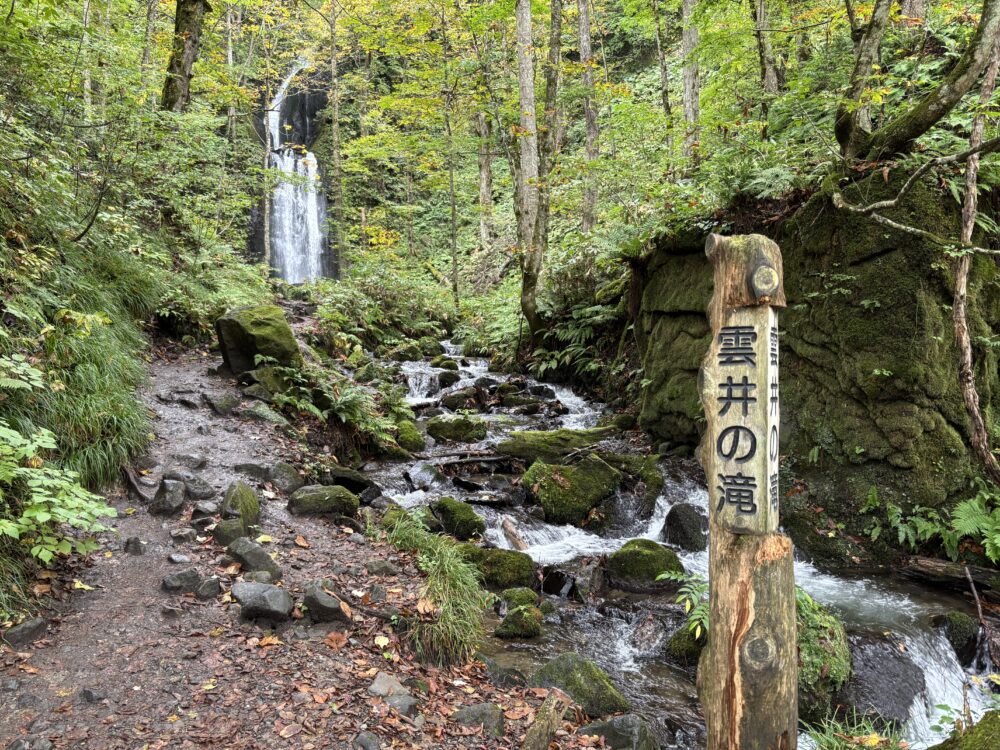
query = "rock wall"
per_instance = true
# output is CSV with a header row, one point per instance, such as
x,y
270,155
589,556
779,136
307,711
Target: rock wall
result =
x,y
870,393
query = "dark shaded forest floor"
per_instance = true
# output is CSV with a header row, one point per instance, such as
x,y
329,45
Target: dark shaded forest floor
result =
x,y
126,664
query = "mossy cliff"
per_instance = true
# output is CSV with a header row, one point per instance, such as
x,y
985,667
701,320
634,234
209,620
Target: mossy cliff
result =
x,y
870,392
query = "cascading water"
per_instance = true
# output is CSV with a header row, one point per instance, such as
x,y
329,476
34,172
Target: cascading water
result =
x,y
628,643
297,204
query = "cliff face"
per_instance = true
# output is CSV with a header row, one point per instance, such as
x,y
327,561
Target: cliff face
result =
x,y
869,366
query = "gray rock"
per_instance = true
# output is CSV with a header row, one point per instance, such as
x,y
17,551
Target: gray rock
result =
x,y
385,685
322,606
26,632
251,556
208,589
135,546
205,509
251,469
258,576
91,696
178,474
264,413
169,498
342,476
258,391
488,715
628,732
382,568
683,528
30,743
228,531
884,681
357,538
191,460
198,489
178,559
222,403
404,704
366,741
424,476
171,611
262,601
9,685
285,477
187,581
183,536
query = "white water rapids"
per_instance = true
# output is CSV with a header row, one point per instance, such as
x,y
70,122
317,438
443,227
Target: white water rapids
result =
x,y
618,645
297,205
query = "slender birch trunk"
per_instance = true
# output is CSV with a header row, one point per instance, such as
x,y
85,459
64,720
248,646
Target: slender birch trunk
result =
x,y
692,87
587,218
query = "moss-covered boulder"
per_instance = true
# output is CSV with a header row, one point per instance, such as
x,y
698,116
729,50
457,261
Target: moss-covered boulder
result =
x,y
501,568
241,502
409,437
458,518
520,596
684,649
463,398
824,660
636,565
524,621
320,500
584,681
405,352
228,530
430,346
448,378
458,429
962,632
550,445
984,735
260,330
569,493
683,528
444,363
643,473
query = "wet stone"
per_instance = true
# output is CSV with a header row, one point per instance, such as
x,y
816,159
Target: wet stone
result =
x,y
169,499
251,469
90,695
198,489
228,531
382,568
191,460
26,632
135,546
187,581
285,477
406,705
208,589
202,524
488,715
222,403
178,559
30,743
262,601
251,556
366,741
323,606
171,612
182,536
178,474
385,685
258,576
205,509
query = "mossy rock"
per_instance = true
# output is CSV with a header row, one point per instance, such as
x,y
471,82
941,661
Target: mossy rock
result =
x,y
636,565
569,493
264,413
460,429
464,398
550,445
962,632
521,622
642,469
269,378
430,346
584,681
444,363
520,596
684,649
409,437
407,352
824,661
229,530
448,378
262,330
628,732
321,500
501,568
458,518
984,735
241,502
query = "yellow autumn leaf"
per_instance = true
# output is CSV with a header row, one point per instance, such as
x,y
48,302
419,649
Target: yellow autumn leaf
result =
x,y
210,685
381,641
264,539
871,740
78,584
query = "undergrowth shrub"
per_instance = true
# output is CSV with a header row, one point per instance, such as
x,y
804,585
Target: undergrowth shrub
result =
x,y
452,632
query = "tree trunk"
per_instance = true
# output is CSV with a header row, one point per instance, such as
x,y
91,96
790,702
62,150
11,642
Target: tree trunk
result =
x,y
978,436
188,20
230,64
768,69
147,43
88,86
914,11
531,261
661,56
590,115
453,223
692,88
335,222
483,130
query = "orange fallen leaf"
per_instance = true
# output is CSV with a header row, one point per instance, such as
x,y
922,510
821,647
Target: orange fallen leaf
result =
x,y
270,640
290,731
301,542
336,640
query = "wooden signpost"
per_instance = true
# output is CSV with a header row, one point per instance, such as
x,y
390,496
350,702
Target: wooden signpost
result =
x,y
747,680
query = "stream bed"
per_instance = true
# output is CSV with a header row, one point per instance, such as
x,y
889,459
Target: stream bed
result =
x,y
626,635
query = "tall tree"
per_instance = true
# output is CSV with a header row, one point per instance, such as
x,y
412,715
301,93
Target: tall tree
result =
x,y
485,164
590,116
664,65
692,86
335,184
188,21
527,174
765,54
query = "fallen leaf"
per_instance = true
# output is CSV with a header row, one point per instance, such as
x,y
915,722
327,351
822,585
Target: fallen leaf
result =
x,y
381,641
78,584
290,731
270,640
210,685
264,539
301,542
336,640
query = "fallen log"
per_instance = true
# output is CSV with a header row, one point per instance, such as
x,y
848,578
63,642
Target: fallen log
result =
x,y
547,721
513,535
951,575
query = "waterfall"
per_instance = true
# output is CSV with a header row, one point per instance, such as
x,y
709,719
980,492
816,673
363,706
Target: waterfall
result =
x,y
297,204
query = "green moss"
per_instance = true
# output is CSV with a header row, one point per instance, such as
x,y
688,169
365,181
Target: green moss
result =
x,y
985,735
409,437
444,363
639,468
319,500
569,493
520,596
406,352
640,561
521,622
242,502
430,346
586,683
683,648
458,518
460,429
259,330
961,630
551,445
824,660
501,568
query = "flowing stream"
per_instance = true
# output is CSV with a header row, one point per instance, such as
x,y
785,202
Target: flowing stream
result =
x,y
297,204
626,637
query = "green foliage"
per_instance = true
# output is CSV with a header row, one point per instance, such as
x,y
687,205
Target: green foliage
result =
x,y
452,585
693,594
851,733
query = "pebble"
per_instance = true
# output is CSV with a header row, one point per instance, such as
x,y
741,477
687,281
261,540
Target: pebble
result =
x,y
26,632
367,741
208,589
178,559
135,546
91,696
182,583
181,536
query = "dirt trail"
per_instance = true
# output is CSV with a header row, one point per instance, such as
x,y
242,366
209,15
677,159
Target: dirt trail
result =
x,y
127,665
